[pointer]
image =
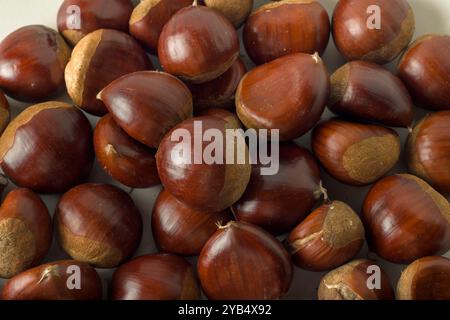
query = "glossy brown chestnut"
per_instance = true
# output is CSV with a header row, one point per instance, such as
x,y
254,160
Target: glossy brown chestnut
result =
x,y
366,91
380,43
155,277
77,18
243,262
198,44
406,219
25,232
55,281
149,18
5,115
288,94
97,60
157,103
236,11
32,62
354,153
228,116
47,148
125,159
428,150
329,237
289,26
98,224
349,282
425,279
425,70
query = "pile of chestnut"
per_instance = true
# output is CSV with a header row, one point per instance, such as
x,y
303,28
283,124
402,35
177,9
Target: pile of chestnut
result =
x,y
247,229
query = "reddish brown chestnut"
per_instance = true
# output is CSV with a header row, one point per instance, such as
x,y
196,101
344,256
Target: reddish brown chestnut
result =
x,y
354,153
425,279
126,160
289,26
330,236
77,18
47,148
155,277
25,232
32,62
5,114
372,30
228,116
288,94
97,60
98,224
55,281
425,70
243,262
236,11
350,282
366,91
406,219
156,103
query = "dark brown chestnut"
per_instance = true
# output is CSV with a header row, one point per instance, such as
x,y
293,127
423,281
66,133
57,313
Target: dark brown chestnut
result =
x,y
5,115
236,11
47,148
406,219
155,277
98,224
243,262
226,115
32,62
125,159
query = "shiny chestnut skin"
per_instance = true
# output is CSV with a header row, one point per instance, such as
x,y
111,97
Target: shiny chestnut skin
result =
x,y
98,224
223,114
5,114
243,262
354,153
157,103
95,64
32,62
125,159
207,40
280,28
155,277
94,15
426,278
236,11
50,282
366,91
356,41
288,94
425,70
349,282
406,219
182,230
149,18
58,152
25,232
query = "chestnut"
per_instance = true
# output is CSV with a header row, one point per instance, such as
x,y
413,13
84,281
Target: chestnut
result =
x,y
97,60
243,262
355,153
155,277
288,94
406,219
289,26
425,70
366,91
236,11
428,150
32,62
98,224
180,229
350,282
47,148
125,159
226,115
25,232
427,278
198,44
91,15
377,35
5,115
60,280
330,236
156,103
